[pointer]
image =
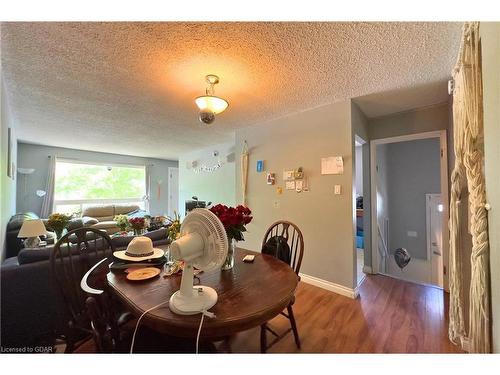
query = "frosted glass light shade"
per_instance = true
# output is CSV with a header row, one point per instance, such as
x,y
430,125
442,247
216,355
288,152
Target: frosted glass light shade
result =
x,y
32,228
212,103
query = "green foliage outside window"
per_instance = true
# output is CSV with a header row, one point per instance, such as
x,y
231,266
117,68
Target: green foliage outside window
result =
x,y
85,181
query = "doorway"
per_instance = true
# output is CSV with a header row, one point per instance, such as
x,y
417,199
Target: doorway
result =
x,y
409,177
360,146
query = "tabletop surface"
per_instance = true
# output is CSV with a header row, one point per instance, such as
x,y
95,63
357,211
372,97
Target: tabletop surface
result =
x,y
248,295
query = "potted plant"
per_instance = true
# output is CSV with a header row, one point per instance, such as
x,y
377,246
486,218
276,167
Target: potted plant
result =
x,y
121,222
58,222
234,220
173,232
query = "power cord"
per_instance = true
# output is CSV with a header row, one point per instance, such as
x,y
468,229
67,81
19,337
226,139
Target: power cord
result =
x,y
139,320
203,314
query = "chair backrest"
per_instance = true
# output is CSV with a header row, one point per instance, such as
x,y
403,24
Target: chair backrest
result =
x,y
71,260
289,242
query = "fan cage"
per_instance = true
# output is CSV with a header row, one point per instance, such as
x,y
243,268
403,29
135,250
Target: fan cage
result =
x,y
210,228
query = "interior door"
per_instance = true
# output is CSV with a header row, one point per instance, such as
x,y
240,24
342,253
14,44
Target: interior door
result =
x,y
435,237
173,191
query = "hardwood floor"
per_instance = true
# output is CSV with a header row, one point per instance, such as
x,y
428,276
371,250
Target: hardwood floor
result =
x,y
390,316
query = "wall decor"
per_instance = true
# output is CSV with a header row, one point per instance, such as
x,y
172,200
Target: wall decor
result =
x,y
290,185
270,178
298,186
279,190
208,169
332,165
260,165
288,175
298,173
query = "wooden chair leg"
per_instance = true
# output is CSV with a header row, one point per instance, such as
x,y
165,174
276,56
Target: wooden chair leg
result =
x,y
226,344
294,325
263,338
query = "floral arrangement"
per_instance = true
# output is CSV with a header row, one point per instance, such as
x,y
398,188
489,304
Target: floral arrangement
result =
x,y
57,222
174,227
234,219
121,222
137,224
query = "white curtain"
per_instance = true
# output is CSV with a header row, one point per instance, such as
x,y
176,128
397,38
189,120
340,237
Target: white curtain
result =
x,y
48,198
147,197
468,171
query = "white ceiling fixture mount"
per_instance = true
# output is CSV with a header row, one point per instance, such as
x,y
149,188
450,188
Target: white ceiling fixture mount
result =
x,y
209,104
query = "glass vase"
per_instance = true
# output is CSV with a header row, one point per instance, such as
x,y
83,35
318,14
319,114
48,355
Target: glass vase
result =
x,y
229,262
138,231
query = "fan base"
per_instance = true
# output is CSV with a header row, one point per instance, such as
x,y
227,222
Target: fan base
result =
x,y
195,303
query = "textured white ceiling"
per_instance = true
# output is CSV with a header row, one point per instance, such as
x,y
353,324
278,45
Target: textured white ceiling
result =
x,y
129,87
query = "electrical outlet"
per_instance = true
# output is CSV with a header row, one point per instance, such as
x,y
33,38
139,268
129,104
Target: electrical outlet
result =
x,y
276,204
337,190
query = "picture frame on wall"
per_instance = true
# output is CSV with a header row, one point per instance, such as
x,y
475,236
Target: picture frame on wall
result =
x,y
9,150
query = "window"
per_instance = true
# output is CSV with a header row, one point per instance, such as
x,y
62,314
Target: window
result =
x,y
78,184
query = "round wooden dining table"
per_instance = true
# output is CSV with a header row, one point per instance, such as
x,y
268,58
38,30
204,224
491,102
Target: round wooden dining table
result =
x,y
248,295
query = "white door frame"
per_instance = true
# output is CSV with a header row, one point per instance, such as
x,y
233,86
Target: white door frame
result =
x,y
431,257
170,189
441,134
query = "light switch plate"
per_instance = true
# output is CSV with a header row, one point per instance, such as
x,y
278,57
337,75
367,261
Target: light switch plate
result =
x,y
276,204
337,190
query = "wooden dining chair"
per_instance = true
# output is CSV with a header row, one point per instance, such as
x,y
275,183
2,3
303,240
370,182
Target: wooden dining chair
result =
x,y
73,255
284,241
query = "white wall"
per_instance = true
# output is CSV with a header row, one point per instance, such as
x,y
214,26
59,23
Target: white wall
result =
x,y
490,39
382,197
325,219
413,171
36,156
7,184
217,186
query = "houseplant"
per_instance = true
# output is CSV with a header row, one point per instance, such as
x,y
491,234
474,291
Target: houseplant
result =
x,y
121,222
234,220
173,231
58,222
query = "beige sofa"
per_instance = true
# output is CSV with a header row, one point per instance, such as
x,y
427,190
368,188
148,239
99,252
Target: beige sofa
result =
x,y
105,215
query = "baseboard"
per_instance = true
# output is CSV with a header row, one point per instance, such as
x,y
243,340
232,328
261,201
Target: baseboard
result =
x,y
328,285
367,269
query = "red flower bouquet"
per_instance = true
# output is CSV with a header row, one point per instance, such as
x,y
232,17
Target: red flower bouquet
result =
x,y
234,219
138,224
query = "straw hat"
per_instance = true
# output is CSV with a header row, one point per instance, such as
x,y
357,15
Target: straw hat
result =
x,y
138,250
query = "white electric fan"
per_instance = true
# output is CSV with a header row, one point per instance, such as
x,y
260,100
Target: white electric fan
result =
x,y
202,244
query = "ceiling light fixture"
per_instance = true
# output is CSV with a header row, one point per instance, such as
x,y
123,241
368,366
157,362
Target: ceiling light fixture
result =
x,y
209,104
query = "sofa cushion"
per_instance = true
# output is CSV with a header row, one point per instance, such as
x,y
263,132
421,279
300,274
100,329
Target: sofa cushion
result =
x,y
37,254
17,220
74,224
125,208
87,220
105,224
12,261
108,212
98,211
